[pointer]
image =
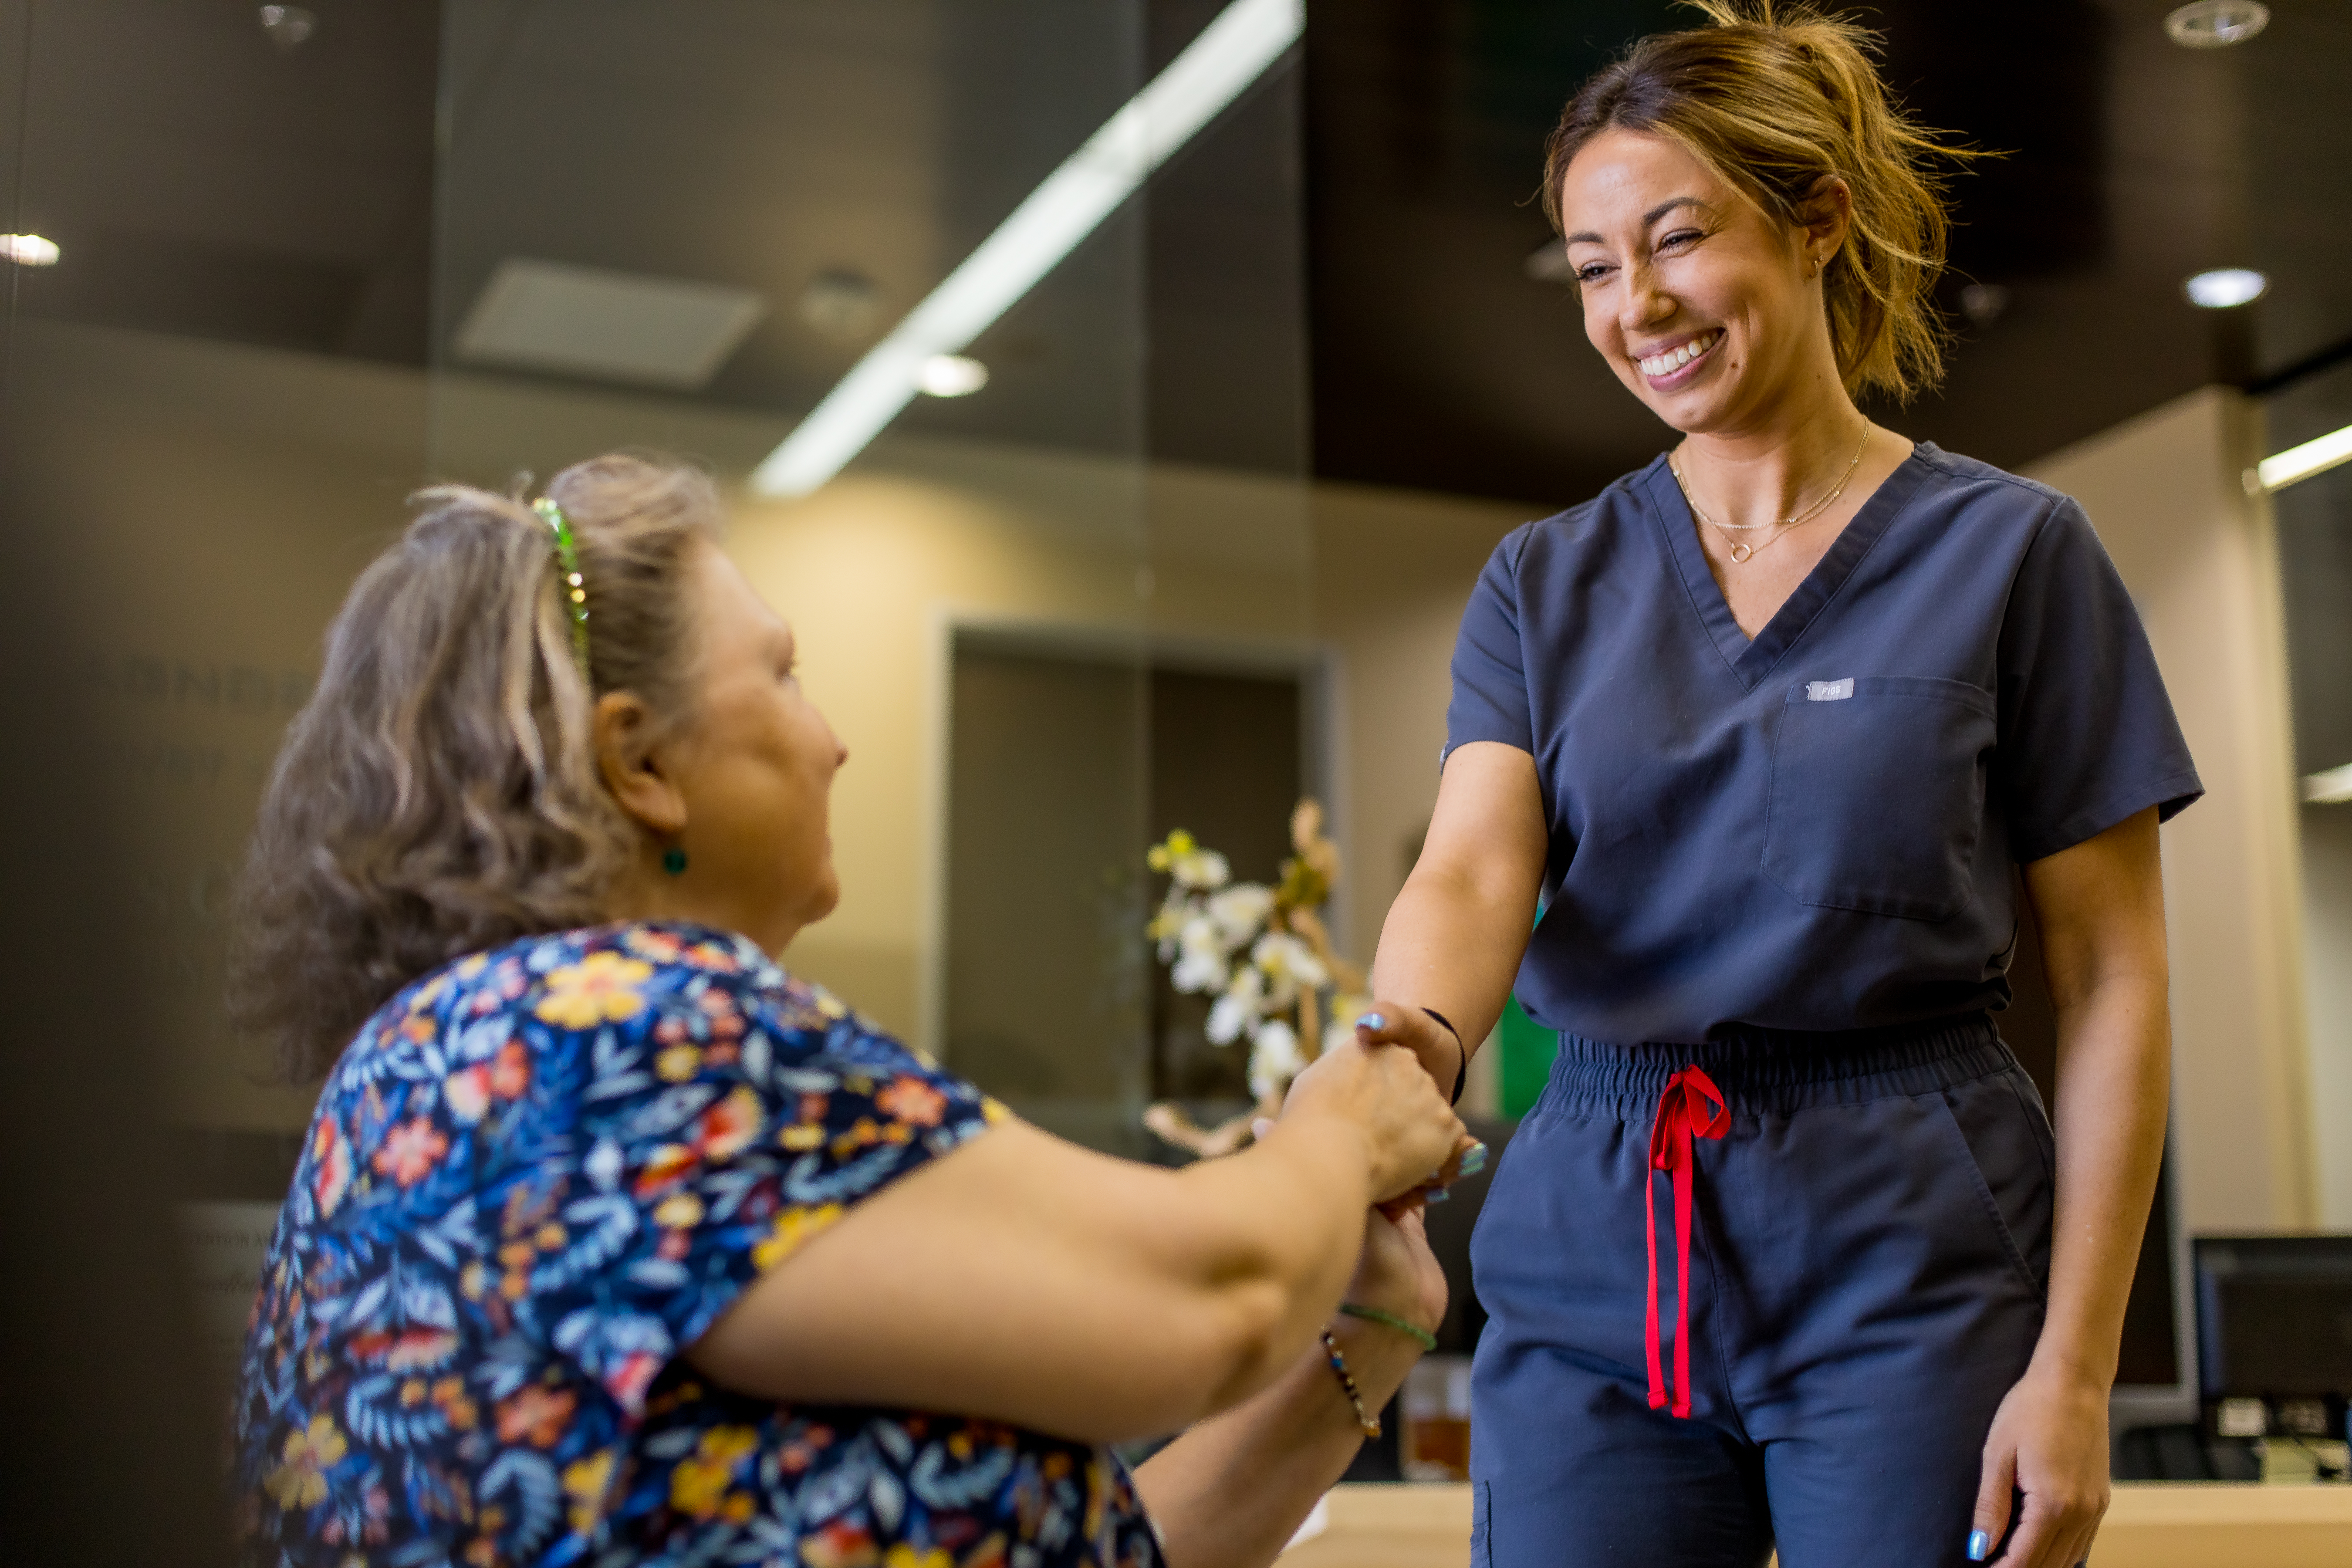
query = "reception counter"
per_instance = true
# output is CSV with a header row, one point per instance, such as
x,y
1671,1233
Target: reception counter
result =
x,y
2187,1524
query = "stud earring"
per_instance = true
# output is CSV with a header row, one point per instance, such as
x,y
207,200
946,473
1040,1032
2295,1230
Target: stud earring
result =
x,y
674,860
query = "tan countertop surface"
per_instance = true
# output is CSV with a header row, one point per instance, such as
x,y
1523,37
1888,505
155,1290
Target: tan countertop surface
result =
x,y
2152,1524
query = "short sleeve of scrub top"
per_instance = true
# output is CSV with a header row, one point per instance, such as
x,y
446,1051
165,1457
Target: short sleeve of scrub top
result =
x,y
1814,829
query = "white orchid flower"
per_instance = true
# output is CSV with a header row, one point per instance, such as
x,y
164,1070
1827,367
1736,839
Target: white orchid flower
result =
x,y
1275,1057
1282,954
1235,1013
1228,1017
1203,869
1240,910
1167,925
1200,958
1199,969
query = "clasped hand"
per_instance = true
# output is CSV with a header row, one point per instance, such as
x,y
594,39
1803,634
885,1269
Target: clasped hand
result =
x,y
1412,1136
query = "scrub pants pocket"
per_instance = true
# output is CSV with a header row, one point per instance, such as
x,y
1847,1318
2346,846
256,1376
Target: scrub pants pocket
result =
x,y
2010,1156
1877,794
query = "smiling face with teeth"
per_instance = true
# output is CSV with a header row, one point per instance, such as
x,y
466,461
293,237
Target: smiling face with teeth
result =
x,y
1708,310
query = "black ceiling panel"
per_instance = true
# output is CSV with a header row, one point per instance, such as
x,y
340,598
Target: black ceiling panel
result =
x,y
2127,163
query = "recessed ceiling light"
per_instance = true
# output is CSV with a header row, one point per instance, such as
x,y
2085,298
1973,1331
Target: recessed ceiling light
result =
x,y
28,249
2226,287
287,25
952,375
1983,302
2215,24
841,304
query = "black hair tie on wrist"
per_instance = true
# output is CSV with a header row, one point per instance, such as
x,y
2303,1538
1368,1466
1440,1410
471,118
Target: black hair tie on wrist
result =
x,y
1462,1073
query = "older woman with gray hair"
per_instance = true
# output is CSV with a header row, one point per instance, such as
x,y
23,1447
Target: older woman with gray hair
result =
x,y
615,1242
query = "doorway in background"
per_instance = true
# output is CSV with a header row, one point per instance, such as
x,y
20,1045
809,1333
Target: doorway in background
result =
x,y
1066,762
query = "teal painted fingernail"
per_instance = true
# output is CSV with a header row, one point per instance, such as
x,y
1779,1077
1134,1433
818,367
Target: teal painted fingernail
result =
x,y
1435,1194
1474,1160
1980,1544
1371,1021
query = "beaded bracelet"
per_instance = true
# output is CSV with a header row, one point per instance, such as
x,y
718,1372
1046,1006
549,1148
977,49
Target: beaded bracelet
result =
x,y
1410,1331
1369,1424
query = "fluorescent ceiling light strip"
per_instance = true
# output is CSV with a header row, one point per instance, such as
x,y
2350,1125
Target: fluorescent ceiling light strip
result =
x,y
1233,52
2333,787
2301,462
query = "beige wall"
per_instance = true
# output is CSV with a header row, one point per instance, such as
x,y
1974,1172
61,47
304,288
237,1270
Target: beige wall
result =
x,y
2202,562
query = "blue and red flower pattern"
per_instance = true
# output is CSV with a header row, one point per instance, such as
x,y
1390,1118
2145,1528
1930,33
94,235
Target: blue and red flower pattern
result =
x,y
533,1178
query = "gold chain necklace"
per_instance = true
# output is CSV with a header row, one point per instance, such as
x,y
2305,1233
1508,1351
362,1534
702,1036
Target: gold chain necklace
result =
x,y
1741,551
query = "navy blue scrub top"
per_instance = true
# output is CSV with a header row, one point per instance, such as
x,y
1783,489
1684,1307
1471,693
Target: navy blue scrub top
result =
x,y
1813,830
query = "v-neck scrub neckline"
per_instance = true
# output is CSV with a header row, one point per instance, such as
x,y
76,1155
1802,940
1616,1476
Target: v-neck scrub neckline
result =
x,y
1816,829
1751,660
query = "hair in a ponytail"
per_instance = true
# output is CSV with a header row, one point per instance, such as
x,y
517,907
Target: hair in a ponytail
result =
x,y
1775,98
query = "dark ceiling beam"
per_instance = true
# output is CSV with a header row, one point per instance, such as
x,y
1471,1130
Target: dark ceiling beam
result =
x,y
2336,353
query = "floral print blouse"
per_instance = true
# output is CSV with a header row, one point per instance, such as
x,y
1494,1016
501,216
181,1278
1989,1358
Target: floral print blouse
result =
x,y
533,1178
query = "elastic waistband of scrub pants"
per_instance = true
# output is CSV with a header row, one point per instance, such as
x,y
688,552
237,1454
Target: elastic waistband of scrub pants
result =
x,y
1781,1069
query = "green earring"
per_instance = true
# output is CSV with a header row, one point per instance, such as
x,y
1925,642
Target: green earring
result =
x,y
674,860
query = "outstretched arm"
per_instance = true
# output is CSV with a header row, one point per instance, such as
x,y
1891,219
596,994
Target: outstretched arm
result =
x,y
2101,909
1025,1279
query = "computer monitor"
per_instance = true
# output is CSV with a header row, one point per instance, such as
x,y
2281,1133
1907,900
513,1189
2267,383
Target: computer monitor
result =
x,y
2275,1334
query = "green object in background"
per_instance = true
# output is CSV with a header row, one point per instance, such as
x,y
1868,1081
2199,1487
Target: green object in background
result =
x,y
1528,1049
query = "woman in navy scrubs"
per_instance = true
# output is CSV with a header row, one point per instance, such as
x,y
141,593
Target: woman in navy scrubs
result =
x,y
1786,1253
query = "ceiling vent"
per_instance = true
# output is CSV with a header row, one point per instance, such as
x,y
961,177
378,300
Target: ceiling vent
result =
x,y
610,326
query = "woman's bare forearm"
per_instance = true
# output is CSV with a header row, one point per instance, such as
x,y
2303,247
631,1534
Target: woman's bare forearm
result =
x,y
2114,1084
1094,1298
1454,938
1303,1243
1447,945
1231,1491
2101,906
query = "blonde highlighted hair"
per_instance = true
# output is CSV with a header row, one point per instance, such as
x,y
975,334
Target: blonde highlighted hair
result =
x,y
1777,98
439,793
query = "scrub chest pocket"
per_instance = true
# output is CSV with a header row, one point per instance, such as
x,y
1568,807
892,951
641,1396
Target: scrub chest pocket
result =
x,y
1878,794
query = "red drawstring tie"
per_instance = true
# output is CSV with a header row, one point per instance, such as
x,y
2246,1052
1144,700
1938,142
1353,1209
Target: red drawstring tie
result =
x,y
1683,1113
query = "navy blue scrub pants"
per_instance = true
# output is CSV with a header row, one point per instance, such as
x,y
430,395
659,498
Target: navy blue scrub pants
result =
x,y
1869,1261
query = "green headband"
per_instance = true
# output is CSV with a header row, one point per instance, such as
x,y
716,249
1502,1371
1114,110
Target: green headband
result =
x,y
567,560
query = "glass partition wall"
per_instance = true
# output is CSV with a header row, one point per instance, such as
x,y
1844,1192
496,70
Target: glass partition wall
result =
x,y
1043,596
1056,599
